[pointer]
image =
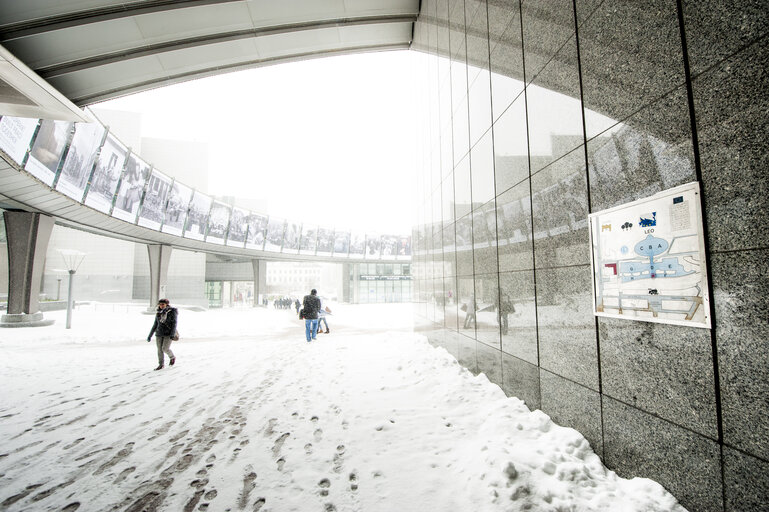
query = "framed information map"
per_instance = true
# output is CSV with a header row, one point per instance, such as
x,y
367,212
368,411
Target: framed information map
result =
x,y
649,259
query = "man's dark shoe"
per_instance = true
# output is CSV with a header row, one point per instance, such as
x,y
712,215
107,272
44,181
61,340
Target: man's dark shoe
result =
x,y
160,367
173,360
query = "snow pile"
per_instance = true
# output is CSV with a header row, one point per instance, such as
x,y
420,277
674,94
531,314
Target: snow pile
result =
x,y
368,418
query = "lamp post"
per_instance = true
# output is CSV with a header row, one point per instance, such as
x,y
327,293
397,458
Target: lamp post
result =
x,y
72,261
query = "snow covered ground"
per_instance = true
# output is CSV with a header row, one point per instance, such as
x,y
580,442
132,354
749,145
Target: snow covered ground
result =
x,y
369,418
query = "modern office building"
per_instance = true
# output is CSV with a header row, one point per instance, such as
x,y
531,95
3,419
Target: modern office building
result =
x,y
592,227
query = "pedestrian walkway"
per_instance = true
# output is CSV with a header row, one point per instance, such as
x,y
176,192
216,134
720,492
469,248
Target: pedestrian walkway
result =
x,y
370,418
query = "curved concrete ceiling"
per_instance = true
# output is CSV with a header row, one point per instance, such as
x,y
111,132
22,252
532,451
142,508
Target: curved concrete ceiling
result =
x,y
94,50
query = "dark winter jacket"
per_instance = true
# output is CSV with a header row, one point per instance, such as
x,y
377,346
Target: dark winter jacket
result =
x,y
165,322
311,306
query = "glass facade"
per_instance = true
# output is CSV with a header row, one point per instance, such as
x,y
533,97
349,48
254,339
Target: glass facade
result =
x,y
540,113
380,282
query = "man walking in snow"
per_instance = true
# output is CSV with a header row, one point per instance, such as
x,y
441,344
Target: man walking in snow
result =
x,y
311,307
164,330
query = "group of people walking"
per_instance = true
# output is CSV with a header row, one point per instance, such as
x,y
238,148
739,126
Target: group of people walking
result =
x,y
313,311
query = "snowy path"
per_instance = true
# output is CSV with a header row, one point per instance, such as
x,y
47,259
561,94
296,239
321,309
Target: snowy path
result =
x,y
257,419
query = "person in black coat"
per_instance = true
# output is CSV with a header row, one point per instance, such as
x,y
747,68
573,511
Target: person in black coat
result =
x,y
310,310
164,330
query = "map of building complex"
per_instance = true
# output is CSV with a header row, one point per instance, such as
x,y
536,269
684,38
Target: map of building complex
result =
x,y
649,259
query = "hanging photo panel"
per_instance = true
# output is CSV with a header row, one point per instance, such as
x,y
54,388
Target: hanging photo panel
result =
x,y
15,135
197,217
154,204
131,187
257,225
80,160
236,235
341,244
325,242
649,259
291,238
357,245
274,237
47,150
309,241
218,221
404,248
104,182
373,246
176,210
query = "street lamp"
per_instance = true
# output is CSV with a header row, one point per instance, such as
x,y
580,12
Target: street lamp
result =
x,y
72,261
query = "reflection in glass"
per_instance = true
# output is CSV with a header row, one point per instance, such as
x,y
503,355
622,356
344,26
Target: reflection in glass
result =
x,y
325,241
176,211
47,149
274,236
154,203
80,158
109,167
130,190
218,221
309,240
197,217
291,239
15,136
236,234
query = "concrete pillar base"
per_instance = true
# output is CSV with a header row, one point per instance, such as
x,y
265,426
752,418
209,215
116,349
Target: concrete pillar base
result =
x,y
24,320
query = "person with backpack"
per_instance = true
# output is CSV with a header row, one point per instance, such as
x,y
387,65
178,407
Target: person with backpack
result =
x,y
164,330
310,310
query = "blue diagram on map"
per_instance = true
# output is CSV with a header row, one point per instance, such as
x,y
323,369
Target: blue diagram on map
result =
x,y
650,247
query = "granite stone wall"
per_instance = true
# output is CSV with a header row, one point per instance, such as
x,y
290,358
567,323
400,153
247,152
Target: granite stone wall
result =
x,y
541,112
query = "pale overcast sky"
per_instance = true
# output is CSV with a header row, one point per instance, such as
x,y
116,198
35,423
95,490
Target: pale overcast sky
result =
x,y
332,139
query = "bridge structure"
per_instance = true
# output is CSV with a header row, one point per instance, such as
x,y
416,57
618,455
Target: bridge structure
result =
x,y
58,162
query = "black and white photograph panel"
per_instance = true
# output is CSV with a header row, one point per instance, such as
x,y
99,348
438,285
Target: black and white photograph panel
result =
x,y
257,224
130,190
197,217
176,208
309,241
325,242
104,182
404,248
291,238
236,235
80,159
218,222
373,246
274,238
389,246
47,150
154,204
357,244
15,136
341,244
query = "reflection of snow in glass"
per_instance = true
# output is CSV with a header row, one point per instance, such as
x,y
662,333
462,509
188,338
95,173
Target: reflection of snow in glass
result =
x,y
256,226
15,135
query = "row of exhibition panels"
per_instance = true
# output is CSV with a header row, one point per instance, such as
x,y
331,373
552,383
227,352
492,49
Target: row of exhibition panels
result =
x,y
88,164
